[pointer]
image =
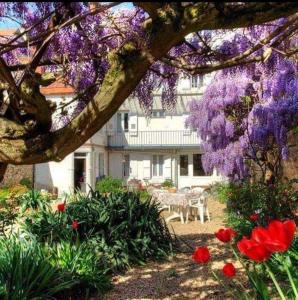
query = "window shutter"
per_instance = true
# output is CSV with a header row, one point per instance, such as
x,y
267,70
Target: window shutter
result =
x,y
146,167
167,167
133,124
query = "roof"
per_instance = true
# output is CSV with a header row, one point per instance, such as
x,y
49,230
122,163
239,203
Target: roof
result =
x,y
56,88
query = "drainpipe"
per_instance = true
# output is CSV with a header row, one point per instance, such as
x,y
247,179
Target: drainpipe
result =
x,y
33,177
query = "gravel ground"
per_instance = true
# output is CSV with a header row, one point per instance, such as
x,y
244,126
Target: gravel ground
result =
x,y
179,277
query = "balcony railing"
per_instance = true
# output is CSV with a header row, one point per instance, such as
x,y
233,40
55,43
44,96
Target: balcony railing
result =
x,y
145,139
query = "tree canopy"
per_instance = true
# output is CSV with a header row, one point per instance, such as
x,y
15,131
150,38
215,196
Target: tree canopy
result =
x,y
107,55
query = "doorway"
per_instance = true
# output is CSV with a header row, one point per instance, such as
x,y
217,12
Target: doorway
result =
x,y
80,172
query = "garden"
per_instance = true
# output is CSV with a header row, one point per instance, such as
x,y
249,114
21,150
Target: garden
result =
x,y
113,242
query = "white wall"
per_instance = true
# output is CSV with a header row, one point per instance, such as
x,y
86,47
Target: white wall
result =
x,y
56,174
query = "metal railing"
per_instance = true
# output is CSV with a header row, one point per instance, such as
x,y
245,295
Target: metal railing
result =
x,y
153,138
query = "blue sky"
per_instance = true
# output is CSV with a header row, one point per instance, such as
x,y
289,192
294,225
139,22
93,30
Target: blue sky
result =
x,y
11,24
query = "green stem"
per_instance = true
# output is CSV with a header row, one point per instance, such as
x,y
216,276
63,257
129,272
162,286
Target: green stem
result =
x,y
282,296
291,281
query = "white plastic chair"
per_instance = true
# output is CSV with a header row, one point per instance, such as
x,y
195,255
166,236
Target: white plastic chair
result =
x,y
201,206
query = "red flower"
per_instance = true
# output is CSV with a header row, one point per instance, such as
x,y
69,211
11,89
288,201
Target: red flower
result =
x,y
61,207
278,237
75,224
254,217
225,235
254,250
201,255
229,270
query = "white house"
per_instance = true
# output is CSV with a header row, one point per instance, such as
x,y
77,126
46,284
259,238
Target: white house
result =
x,y
132,145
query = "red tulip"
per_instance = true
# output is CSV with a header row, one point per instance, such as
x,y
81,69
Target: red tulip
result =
x,y
201,255
254,250
61,207
254,217
229,270
75,224
225,235
278,237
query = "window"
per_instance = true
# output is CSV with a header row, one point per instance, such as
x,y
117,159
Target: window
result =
x,y
157,165
183,165
196,81
197,165
125,121
126,165
122,122
101,164
158,114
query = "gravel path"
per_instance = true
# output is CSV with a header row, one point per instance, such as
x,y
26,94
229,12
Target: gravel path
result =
x,y
179,277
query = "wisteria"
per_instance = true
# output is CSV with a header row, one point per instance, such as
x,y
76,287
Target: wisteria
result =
x,y
245,113
86,45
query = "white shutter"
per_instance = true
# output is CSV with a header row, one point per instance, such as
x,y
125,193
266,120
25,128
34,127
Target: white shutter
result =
x,y
185,83
167,167
111,126
133,124
146,167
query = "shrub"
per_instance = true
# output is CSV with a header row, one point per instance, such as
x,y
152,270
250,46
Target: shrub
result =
x,y
244,200
84,265
109,184
25,272
26,182
17,190
33,200
120,226
168,183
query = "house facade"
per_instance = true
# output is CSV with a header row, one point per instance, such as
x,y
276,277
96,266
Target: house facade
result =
x,y
134,146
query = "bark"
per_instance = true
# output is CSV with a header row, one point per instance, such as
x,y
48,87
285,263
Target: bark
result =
x,y
128,66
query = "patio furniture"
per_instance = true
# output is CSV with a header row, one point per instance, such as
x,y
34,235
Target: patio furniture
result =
x,y
176,202
200,204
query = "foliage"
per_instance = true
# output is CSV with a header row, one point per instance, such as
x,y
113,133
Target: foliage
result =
x,y
26,182
279,201
25,272
269,259
4,194
108,184
245,115
33,200
168,183
17,190
8,216
84,265
120,227
144,195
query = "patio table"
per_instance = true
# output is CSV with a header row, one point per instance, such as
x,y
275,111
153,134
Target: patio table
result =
x,y
177,202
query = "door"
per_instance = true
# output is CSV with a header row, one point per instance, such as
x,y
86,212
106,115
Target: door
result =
x,y
80,172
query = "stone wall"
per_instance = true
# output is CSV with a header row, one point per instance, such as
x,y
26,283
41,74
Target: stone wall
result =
x,y
290,167
14,174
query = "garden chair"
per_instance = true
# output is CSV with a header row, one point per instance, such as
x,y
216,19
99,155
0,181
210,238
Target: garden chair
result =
x,y
200,207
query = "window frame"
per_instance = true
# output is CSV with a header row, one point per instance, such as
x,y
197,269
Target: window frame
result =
x,y
187,162
193,166
157,165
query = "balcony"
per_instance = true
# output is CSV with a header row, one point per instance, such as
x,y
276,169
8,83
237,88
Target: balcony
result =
x,y
153,139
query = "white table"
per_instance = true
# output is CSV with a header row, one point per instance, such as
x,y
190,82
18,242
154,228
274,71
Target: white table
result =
x,y
178,202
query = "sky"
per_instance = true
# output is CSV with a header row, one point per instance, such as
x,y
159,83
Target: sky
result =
x,y
11,24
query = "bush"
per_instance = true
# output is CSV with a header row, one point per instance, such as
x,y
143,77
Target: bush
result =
x,y
25,272
168,183
26,182
33,200
121,227
279,201
84,265
109,184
